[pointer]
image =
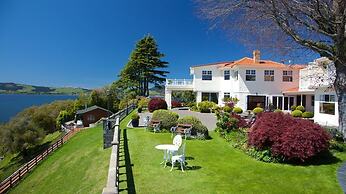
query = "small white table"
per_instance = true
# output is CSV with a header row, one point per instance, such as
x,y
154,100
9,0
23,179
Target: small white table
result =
x,y
168,149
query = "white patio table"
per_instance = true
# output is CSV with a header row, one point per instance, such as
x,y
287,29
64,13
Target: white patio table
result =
x,y
168,149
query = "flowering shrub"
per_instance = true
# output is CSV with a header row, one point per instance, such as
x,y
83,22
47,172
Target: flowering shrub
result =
x,y
176,104
228,122
288,137
156,104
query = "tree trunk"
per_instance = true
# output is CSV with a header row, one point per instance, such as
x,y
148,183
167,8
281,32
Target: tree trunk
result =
x,y
340,88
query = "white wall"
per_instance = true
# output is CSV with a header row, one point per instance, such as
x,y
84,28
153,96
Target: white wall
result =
x,y
260,86
325,119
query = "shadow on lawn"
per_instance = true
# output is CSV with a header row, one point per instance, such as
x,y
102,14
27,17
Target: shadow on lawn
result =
x,y
128,166
324,158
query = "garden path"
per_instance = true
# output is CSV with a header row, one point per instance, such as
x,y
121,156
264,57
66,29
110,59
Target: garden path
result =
x,y
342,177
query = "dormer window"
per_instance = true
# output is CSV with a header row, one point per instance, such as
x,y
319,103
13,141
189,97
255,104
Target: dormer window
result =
x,y
250,75
287,76
227,74
207,75
269,75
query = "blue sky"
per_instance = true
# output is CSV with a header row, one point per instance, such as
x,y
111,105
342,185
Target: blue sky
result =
x,y
85,43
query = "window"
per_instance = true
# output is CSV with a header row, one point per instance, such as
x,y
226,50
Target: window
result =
x,y
91,118
226,95
269,75
327,104
312,100
226,74
287,76
250,75
327,98
207,75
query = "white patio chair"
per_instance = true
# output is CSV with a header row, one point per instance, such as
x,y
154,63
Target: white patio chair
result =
x,y
173,130
179,157
178,140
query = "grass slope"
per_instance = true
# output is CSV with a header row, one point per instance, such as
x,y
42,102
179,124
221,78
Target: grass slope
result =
x,y
13,162
215,167
80,166
13,88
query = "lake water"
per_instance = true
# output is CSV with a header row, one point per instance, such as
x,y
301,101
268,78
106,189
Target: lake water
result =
x,y
11,104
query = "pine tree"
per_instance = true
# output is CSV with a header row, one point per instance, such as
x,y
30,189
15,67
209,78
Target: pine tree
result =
x,y
144,67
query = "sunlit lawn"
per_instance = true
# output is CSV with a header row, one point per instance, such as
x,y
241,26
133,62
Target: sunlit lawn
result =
x,y
215,167
12,162
80,166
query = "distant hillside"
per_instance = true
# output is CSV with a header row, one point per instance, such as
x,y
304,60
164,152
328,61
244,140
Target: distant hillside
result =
x,y
13,88
157,90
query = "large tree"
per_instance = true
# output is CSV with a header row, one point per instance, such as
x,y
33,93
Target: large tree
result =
x,y
316,25
144,67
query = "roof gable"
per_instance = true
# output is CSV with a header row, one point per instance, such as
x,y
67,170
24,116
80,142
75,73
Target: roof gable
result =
x,y
91,109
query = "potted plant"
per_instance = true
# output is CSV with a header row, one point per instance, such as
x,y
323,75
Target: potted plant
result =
x,y
135,120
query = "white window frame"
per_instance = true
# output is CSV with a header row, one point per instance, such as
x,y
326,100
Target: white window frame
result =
x,y
327,99
269,75
288,74
226,95
226,74
249,74
207,75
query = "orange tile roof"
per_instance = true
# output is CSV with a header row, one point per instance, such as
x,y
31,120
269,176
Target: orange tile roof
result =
x,y
249,62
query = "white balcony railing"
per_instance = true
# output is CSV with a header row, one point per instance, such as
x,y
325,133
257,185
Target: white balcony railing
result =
x,y
179,82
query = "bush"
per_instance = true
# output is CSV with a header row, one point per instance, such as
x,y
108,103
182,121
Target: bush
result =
x,y
228,122
277,110
197,126
293,108
287,137
227,109
335,133
301,108
168,118
139,110
157,104
143,102
297,113
257,110
308,115
135,116
176,104
237,110
205,106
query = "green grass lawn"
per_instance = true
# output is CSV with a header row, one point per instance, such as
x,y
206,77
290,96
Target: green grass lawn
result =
x,y
80,166
215,167
13,162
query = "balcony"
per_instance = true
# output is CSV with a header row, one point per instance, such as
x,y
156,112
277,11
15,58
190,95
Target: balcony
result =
x,y
179,84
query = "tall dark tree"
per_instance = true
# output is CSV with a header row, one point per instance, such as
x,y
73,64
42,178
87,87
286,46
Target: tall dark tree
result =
x,y
144,67
316,25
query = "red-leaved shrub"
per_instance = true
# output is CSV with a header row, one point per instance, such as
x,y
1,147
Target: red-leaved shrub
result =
x,y
176,104
241,122
156,104
284,135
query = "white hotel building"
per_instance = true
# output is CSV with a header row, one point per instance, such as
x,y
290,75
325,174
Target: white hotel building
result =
x,y
259,82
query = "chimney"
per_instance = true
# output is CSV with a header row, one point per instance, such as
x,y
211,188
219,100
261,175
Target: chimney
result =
x,y
256,56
